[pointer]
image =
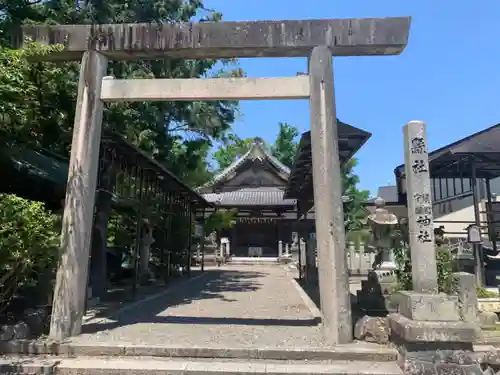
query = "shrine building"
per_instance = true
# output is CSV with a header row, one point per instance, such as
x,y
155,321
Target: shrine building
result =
x,y
255,184
268,195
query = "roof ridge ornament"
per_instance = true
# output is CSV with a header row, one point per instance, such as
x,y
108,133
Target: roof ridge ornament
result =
x,y
258,141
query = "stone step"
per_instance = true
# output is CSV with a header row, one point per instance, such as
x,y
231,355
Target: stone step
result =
x,y
253,260
155,366
347,352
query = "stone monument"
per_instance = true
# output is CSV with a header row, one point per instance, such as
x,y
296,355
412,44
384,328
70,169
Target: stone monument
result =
x,y
433,331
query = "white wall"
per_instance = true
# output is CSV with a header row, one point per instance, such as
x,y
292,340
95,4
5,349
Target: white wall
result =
x,y
457,214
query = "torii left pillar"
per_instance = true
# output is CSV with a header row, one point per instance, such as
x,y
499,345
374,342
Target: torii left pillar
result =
x,y
72,273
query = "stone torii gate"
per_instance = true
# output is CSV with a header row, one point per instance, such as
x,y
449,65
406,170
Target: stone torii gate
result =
x,y
316,39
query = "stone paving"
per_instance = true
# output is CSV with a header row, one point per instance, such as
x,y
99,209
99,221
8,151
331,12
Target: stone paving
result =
x,y
235,306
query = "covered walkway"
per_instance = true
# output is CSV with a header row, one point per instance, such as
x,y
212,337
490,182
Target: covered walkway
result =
x,y
235,306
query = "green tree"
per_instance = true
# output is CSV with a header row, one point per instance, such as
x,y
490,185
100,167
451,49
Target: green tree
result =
x,y
354,212
232,149
177,134
29,245
285,144
32,99
218,220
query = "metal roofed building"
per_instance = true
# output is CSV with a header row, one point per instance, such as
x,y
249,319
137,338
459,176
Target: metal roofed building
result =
x,y
454,170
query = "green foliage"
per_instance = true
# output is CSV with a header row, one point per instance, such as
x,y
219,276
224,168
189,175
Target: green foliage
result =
x,y
284,147
482,292
403,271
354,212
444,260
38,99
358,237
122,229
29,244
25,89
232,149
219,220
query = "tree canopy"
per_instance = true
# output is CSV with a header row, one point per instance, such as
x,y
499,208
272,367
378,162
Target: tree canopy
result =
x,y
38,99
233,148
285,144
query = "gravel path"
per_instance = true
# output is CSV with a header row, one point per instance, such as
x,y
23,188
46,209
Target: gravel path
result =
x,y
232,306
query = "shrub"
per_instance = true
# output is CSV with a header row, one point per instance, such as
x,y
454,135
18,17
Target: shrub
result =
x,y
482,292
403,273
29,245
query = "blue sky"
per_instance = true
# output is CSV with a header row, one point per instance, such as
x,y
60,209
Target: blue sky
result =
x,y
448,76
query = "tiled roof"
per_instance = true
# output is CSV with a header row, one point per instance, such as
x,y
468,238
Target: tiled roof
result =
x,y
256,151
260,196
388,193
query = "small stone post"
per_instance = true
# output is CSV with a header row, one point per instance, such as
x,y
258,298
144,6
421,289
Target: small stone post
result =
x,y
311,270
352,254
280,249
463,285
333,276
361,257
198,252
71,280
287,249
302,254
202,248
420,219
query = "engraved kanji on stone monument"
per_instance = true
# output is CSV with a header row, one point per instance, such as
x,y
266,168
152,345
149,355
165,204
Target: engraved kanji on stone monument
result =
x,y
420,218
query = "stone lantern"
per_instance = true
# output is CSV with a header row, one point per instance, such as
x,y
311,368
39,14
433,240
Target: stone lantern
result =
x,y
382,224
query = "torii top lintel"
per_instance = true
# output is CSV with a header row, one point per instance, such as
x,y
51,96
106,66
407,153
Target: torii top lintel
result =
x,y
346,37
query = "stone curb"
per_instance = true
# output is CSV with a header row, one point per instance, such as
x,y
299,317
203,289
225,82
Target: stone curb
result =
x,y
316,313
349,352
98,366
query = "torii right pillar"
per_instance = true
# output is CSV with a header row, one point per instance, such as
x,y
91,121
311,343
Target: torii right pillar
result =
x,y
330,233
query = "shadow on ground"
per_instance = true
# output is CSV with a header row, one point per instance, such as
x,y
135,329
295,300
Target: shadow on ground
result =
x,y
215,284
121,294
312,290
